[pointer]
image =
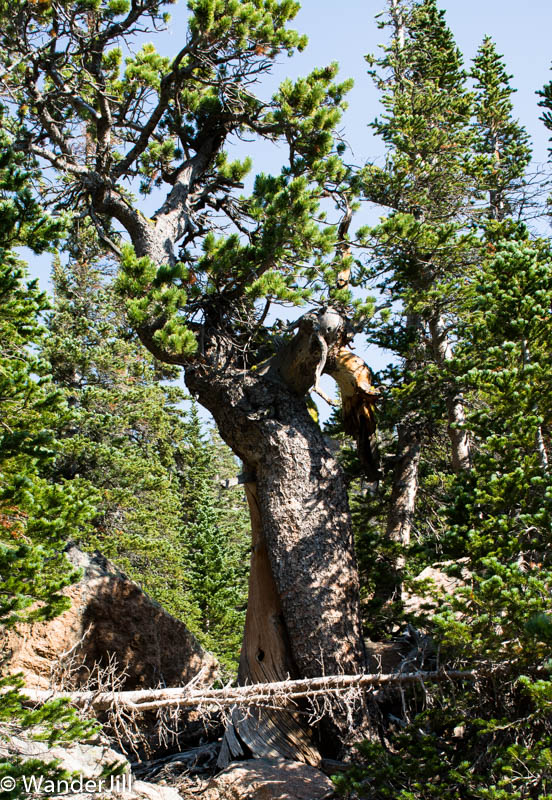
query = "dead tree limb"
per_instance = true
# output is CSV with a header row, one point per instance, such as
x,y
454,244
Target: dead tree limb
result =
x,y
278,693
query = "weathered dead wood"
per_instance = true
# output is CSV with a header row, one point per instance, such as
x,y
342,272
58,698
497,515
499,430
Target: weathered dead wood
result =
x,y
277,693
358,397
265,657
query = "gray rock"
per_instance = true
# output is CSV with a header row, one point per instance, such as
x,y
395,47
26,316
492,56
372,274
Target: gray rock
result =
x,y
263,779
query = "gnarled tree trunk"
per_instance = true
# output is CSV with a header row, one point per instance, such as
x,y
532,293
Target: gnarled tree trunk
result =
x,y
304,617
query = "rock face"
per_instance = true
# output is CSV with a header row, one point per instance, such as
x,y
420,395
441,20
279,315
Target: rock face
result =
x,y
110,617
261,779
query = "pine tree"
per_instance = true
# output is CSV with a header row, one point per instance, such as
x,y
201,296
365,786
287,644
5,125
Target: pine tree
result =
x,y
419,254
490,740
36,517
502,149
217,566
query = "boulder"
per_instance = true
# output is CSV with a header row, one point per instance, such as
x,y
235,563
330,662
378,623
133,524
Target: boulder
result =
x,y
263,779
440,585
87,763
88,759
110,618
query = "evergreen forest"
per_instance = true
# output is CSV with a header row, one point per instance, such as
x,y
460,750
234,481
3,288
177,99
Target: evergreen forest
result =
x,y
162,404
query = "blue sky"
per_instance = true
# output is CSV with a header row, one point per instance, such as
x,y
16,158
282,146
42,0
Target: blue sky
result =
x,y
345,31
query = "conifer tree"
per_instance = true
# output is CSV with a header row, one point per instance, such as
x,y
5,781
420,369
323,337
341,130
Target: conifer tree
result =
x,y
36,517
502,149
490,739
217,573
419,253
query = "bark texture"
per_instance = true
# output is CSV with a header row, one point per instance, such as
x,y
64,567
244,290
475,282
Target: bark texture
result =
x,y
405,488
265,658
303,511
459,439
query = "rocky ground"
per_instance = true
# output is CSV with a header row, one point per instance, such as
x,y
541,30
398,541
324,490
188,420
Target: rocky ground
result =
x,y
115,630
115,633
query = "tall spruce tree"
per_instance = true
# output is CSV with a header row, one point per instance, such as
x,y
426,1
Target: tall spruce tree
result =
x,y
218,543
419,254
502,147
37,517
490,739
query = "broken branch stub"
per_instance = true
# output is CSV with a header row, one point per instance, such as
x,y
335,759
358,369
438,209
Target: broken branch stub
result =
x,y
358,397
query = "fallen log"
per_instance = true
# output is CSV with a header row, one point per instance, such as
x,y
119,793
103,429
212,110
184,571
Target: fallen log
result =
x,y
276,694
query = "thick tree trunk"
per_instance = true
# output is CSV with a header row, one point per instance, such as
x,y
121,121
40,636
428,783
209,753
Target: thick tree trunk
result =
x,y
459,439
265,658
303,512
303,616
